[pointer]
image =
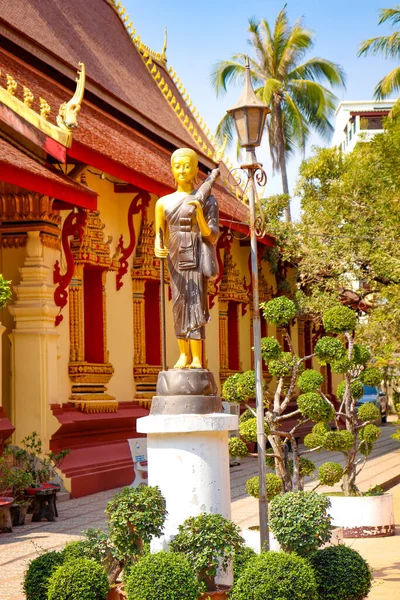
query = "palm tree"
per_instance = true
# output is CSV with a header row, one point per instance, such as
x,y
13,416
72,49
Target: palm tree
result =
x,y
291,88
389,47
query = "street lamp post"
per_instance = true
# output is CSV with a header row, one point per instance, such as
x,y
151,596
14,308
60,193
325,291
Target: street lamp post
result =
x,y
249,115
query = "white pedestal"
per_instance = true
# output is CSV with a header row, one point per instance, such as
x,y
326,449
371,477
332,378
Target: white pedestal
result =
x,y
188,460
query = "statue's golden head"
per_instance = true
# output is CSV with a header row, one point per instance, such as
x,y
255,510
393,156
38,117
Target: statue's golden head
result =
x,y
184,165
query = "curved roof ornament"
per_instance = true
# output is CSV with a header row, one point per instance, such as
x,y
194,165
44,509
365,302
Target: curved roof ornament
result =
x,y
67,118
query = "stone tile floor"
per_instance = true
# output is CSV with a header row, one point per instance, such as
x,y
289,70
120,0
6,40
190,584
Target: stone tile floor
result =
x,y
25,543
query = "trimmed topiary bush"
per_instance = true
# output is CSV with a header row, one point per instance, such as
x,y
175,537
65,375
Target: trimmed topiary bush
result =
x,y
80,579
315,407
369,433
273,483
338,440
369,412
341,573
38,573
241,559
230,391
279,311
282,366
317,436
342,365
328,349
248,430
339,319
300,521
270,348
371,376
237,448
356,390
80,549
276,576
310,381
162,576
361,354
330,473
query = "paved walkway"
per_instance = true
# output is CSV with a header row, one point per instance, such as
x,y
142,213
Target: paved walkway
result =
x,y
25,543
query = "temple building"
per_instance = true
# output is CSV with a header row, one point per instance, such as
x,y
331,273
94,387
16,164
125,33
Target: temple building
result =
x,y
89,117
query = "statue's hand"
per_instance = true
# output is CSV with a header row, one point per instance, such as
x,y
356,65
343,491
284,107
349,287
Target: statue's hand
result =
x,y
160,252
197,206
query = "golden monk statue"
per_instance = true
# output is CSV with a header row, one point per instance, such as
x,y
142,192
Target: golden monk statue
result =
x,y
189,243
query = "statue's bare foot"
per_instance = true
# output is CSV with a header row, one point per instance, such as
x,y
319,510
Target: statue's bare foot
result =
x,y
195,364
182,362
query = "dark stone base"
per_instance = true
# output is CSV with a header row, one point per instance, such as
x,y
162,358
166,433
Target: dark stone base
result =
x,y
186,391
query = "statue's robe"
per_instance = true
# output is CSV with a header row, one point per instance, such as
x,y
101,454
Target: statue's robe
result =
x,y
191,262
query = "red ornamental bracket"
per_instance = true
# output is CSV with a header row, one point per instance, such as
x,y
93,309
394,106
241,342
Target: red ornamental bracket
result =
x,y
73,226
139,204
224,241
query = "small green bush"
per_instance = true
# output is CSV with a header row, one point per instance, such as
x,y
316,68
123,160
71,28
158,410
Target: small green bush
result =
x,y
307,467
317,436
248,430
310,381
79,549
371,376
338,440
270,348
356,390
273,483
241,559
237,448
328,349
300,521
342,365
339,319
246,415
230,389
315,407
330,473
361,354
341,573
79,579
370,433
5,291
247,385
279,311
369,412
396,435
282,366
162,576
276,576
40,569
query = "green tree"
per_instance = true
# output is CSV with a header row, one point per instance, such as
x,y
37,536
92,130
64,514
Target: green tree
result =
x,y
286,82
387,46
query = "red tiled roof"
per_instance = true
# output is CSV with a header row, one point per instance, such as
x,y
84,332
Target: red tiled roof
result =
x,y
19,169
91,32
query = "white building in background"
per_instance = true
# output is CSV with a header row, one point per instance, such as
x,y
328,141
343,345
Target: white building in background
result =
x,y
359,121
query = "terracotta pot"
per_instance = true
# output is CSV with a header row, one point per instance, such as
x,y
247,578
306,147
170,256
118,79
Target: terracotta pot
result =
x,y
220,594
116,593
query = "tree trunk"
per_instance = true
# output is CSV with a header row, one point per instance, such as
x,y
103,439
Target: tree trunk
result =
x,y
280,463
281,144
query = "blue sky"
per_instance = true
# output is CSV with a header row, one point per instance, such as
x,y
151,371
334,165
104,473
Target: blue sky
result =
x,y
201,33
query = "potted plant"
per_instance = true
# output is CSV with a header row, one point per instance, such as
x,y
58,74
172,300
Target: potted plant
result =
x,y
16,480
81,579
209,541
163,575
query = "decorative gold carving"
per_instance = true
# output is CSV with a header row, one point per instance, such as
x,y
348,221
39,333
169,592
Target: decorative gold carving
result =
x,y
13,241
45,108
84,372
50,241
92,404
28,207
67,117
28,97
223,336
93,249
11,85
231,287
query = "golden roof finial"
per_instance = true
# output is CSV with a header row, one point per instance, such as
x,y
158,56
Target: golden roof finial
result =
x,y
11,85
28,97
67,117
44,108
218,155
164,49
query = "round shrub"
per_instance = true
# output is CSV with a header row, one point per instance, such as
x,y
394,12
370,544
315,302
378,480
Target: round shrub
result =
x,y
356,390
371,376
328,349
370,433
300,521
76,550
341,573
246,415
279,311
273,483
361,354
330,473
369,412
282,366
307,467
247,385
237,447
40,569
315,407
338,440
79,579
162,576
270,348
396,435
230,391
317,436
342,365
339,319
310,381
276,576
248,430
241,559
